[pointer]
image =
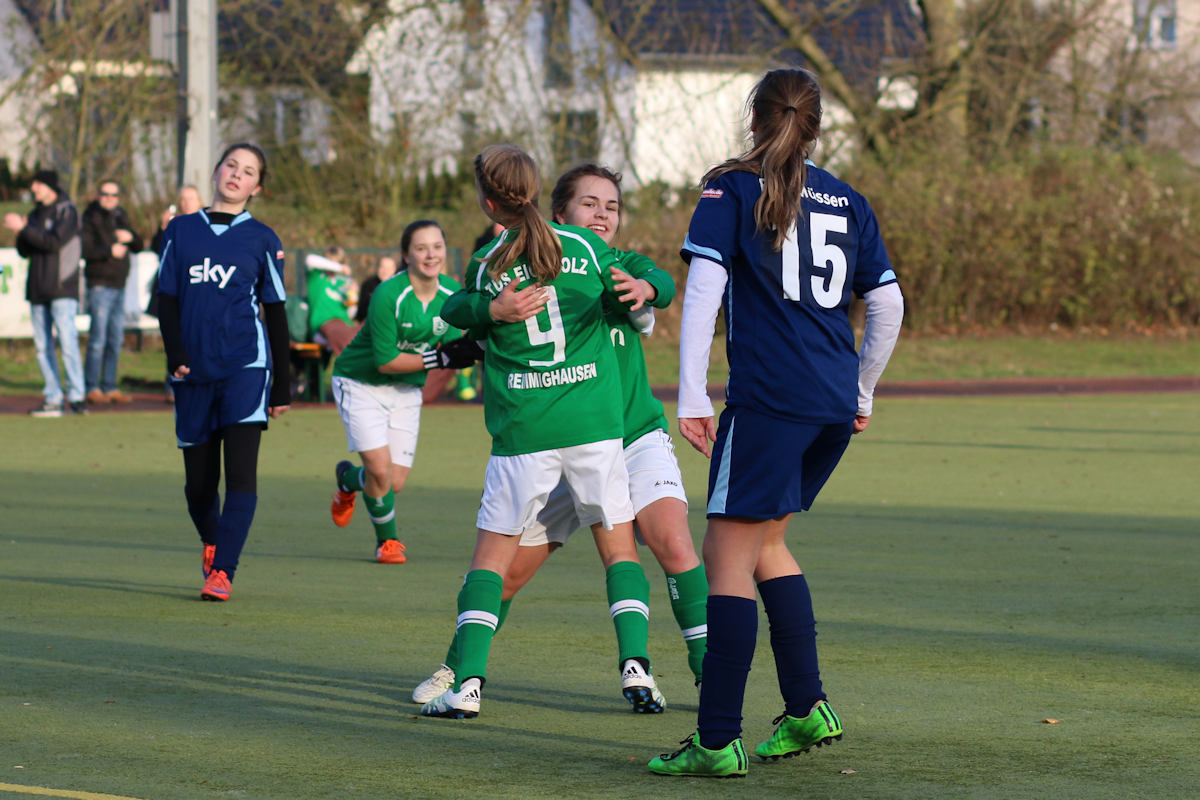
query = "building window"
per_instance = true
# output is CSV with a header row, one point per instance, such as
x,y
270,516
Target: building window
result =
x,y
556,41
576,137
1154,24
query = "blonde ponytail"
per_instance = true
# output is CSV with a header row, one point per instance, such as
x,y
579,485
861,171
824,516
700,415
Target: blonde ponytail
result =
x,y
508,177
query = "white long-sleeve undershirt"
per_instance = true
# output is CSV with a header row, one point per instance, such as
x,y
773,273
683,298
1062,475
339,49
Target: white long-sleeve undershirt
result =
x,y
702,300
885,312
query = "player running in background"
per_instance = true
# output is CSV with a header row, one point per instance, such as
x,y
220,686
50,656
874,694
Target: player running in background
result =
x,y
228,366
552,404
781,245
589,196
377,382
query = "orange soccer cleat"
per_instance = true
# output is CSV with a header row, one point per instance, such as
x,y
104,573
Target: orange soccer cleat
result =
x,y
216,587
390,551
210,551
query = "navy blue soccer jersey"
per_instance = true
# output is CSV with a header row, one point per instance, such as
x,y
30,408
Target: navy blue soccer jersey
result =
x,y
221,273
788,336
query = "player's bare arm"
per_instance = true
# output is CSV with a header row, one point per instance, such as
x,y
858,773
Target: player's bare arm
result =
x,y
518,305
635,291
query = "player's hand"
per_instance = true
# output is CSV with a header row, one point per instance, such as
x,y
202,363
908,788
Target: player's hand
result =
x,y
275,412
699,431
457,354
124,236
181,371
119,250
861,423
632,290
14,222
513,305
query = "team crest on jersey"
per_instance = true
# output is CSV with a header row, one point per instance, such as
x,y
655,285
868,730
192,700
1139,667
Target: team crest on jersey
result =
x,y
439,326
712,194
279,255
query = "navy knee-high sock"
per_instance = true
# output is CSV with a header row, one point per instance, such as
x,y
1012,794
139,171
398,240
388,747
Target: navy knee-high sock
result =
x,y
794,641
732,631
233,529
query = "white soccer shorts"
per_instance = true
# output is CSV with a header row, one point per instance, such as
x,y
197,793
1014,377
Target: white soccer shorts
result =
x,y
653,475
516,488
380,416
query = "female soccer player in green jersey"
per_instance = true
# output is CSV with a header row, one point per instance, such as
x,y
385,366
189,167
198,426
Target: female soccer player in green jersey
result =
x,y
589,196
552,404
377,383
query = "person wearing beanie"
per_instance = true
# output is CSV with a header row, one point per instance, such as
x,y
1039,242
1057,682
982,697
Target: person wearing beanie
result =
x,y
49,238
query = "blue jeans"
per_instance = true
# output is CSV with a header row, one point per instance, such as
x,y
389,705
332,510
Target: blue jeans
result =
x,y
106,305
58,315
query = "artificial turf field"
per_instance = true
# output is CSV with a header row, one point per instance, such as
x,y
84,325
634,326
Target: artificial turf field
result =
x,y
978,565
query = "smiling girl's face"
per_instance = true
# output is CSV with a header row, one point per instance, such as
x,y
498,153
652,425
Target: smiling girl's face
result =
x,y
426,254
596,205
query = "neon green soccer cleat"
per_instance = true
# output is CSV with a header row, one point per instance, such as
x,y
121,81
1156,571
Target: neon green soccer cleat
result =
x,y
694,761
795,736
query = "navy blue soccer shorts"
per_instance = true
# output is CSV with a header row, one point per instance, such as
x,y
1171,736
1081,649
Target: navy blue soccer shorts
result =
x,y
764,467
201,409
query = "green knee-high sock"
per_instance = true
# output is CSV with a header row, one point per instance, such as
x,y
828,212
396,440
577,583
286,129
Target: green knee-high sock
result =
x,y
353,479
452,654
383,515
629,604
689,603
478,616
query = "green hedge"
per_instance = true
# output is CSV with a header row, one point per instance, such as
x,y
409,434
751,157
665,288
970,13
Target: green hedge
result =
x,y
1069,238
1078,239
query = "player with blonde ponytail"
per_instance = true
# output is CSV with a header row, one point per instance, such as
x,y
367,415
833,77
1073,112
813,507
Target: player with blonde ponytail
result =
x,y
554,406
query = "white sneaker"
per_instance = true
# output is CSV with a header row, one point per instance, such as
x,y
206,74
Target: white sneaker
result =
x,y
639,689
461,705
434,685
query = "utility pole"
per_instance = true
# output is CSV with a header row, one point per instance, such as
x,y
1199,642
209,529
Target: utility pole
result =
x,y
197,64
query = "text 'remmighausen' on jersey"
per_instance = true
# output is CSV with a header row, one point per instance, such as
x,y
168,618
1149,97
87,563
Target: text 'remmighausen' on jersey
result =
x,y
550,381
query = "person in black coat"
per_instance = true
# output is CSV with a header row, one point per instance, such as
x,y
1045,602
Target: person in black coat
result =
x,y
49,239
108,243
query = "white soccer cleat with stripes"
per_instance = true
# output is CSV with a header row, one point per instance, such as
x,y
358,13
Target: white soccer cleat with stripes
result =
x,y
640,690
463,704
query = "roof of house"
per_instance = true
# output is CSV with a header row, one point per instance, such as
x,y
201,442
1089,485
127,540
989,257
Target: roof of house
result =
x,y
694,31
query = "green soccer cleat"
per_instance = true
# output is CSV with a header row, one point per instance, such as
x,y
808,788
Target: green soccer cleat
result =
x,y
695,761
795,736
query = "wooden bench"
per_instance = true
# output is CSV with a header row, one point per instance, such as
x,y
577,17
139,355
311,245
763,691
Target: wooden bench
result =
x,y
307,356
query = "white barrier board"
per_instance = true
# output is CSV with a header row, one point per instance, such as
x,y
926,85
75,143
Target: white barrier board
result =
x,y
14,308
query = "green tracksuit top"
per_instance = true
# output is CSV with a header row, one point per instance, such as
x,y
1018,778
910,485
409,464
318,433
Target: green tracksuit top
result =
x,y
643,411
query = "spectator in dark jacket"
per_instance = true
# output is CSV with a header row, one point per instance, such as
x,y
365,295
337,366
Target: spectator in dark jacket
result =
x,y
108,242
49,238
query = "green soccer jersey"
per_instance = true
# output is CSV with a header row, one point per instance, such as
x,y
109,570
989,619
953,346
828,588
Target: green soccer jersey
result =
x,y
397,322
551,381
327,296
643,411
